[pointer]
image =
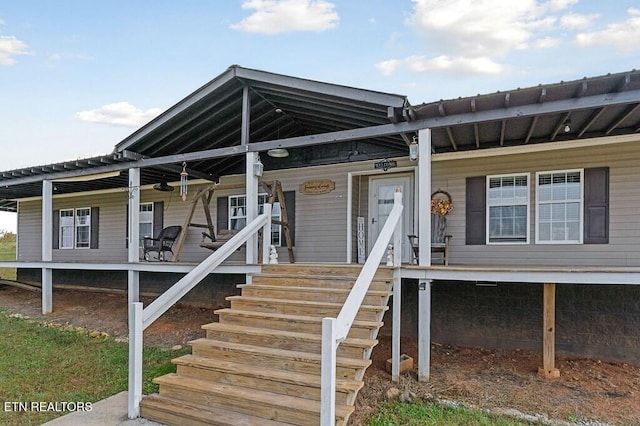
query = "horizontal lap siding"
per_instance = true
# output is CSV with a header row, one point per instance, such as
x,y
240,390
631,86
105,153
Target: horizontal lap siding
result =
x,y
624,243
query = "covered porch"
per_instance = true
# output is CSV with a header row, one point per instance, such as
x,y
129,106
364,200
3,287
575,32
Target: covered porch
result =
x,y
230,126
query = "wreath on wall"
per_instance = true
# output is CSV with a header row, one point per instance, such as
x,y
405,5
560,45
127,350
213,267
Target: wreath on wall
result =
x,y
441,203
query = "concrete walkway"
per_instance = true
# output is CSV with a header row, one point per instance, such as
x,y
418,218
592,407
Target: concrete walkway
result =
x,y
108,412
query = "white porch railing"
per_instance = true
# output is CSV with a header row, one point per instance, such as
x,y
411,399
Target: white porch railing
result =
x,y
335,330
140,319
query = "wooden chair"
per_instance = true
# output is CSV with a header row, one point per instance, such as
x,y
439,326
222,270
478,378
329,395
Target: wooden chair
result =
x,y
439,240
161,244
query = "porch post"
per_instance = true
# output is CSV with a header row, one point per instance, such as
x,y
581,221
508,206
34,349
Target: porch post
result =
x,y
251,178
397,298
133,277
549,369
424,259
252,205
47,245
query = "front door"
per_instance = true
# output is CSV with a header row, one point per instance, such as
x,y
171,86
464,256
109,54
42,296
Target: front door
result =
x,y
381,190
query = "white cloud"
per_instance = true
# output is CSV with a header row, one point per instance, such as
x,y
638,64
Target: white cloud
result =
x,y
458,65
281,16
9,48
621,35
547,42
470,36
577,21
119,114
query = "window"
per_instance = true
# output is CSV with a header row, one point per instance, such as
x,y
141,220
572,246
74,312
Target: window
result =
x,y
238,215
74,228
83,227
508,208
146,220
559,207
66,229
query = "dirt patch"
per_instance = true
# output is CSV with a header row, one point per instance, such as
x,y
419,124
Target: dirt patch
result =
x,y
497,380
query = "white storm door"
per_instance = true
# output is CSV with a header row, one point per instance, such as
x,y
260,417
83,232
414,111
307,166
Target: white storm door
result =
x,y
381,191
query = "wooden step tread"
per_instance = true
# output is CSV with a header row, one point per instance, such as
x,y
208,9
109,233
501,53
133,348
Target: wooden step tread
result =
x,y
349,278
250,395
309,357
303,302
292,318
294,289
293,335
291,377
167,410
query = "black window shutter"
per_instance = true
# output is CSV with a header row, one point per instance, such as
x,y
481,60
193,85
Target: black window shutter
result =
x,y
476,213
158,217
126,229
290,201
95,227
222,209
596,205
56,229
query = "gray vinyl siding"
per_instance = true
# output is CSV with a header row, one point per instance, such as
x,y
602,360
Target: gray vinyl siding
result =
x,y
321,221
624,242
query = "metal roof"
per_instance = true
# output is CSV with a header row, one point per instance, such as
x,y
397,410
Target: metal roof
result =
x,y
578,120
323,123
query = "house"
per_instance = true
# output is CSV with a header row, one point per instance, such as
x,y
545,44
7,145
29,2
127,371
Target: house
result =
x,y
545,226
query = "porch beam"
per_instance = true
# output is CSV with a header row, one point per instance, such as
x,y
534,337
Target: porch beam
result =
x,y
564,275
47,246
424,254
549,369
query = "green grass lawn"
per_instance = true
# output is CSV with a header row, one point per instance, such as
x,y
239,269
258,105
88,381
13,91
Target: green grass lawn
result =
x,y
8,252
431,414
44,364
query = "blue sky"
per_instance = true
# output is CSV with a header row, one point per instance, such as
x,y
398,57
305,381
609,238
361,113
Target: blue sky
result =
x,y
76,77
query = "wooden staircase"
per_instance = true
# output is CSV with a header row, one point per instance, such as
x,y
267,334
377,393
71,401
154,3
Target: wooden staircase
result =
x,y
260,364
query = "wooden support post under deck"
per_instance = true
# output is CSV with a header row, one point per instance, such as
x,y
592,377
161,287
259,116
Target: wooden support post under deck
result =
x,y
548,369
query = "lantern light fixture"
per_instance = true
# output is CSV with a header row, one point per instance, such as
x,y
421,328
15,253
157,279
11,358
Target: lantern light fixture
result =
x,y
413,149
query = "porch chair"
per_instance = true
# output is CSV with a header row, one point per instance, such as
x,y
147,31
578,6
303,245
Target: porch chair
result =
x,y
161,244
439,241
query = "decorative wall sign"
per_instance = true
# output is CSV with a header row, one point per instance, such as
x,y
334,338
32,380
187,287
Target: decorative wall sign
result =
x,y
320,186
385,164
361,242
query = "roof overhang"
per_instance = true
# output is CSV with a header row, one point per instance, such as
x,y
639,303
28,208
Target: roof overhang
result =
x,y
245,110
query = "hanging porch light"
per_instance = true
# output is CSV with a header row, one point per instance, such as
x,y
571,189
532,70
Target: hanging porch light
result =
x,y
184,182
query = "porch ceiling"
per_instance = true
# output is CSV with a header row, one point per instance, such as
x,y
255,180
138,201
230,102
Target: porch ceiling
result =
x,y
570,123
279,107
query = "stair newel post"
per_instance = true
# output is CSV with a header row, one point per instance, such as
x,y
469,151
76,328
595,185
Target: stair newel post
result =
x,y
135,359
266,234
397,262
328,373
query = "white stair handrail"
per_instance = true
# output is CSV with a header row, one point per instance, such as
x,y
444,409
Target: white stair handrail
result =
x,y
140,319
335,330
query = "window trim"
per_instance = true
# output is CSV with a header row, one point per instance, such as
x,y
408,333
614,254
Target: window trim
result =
x,y
74,227
580,212
488,210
